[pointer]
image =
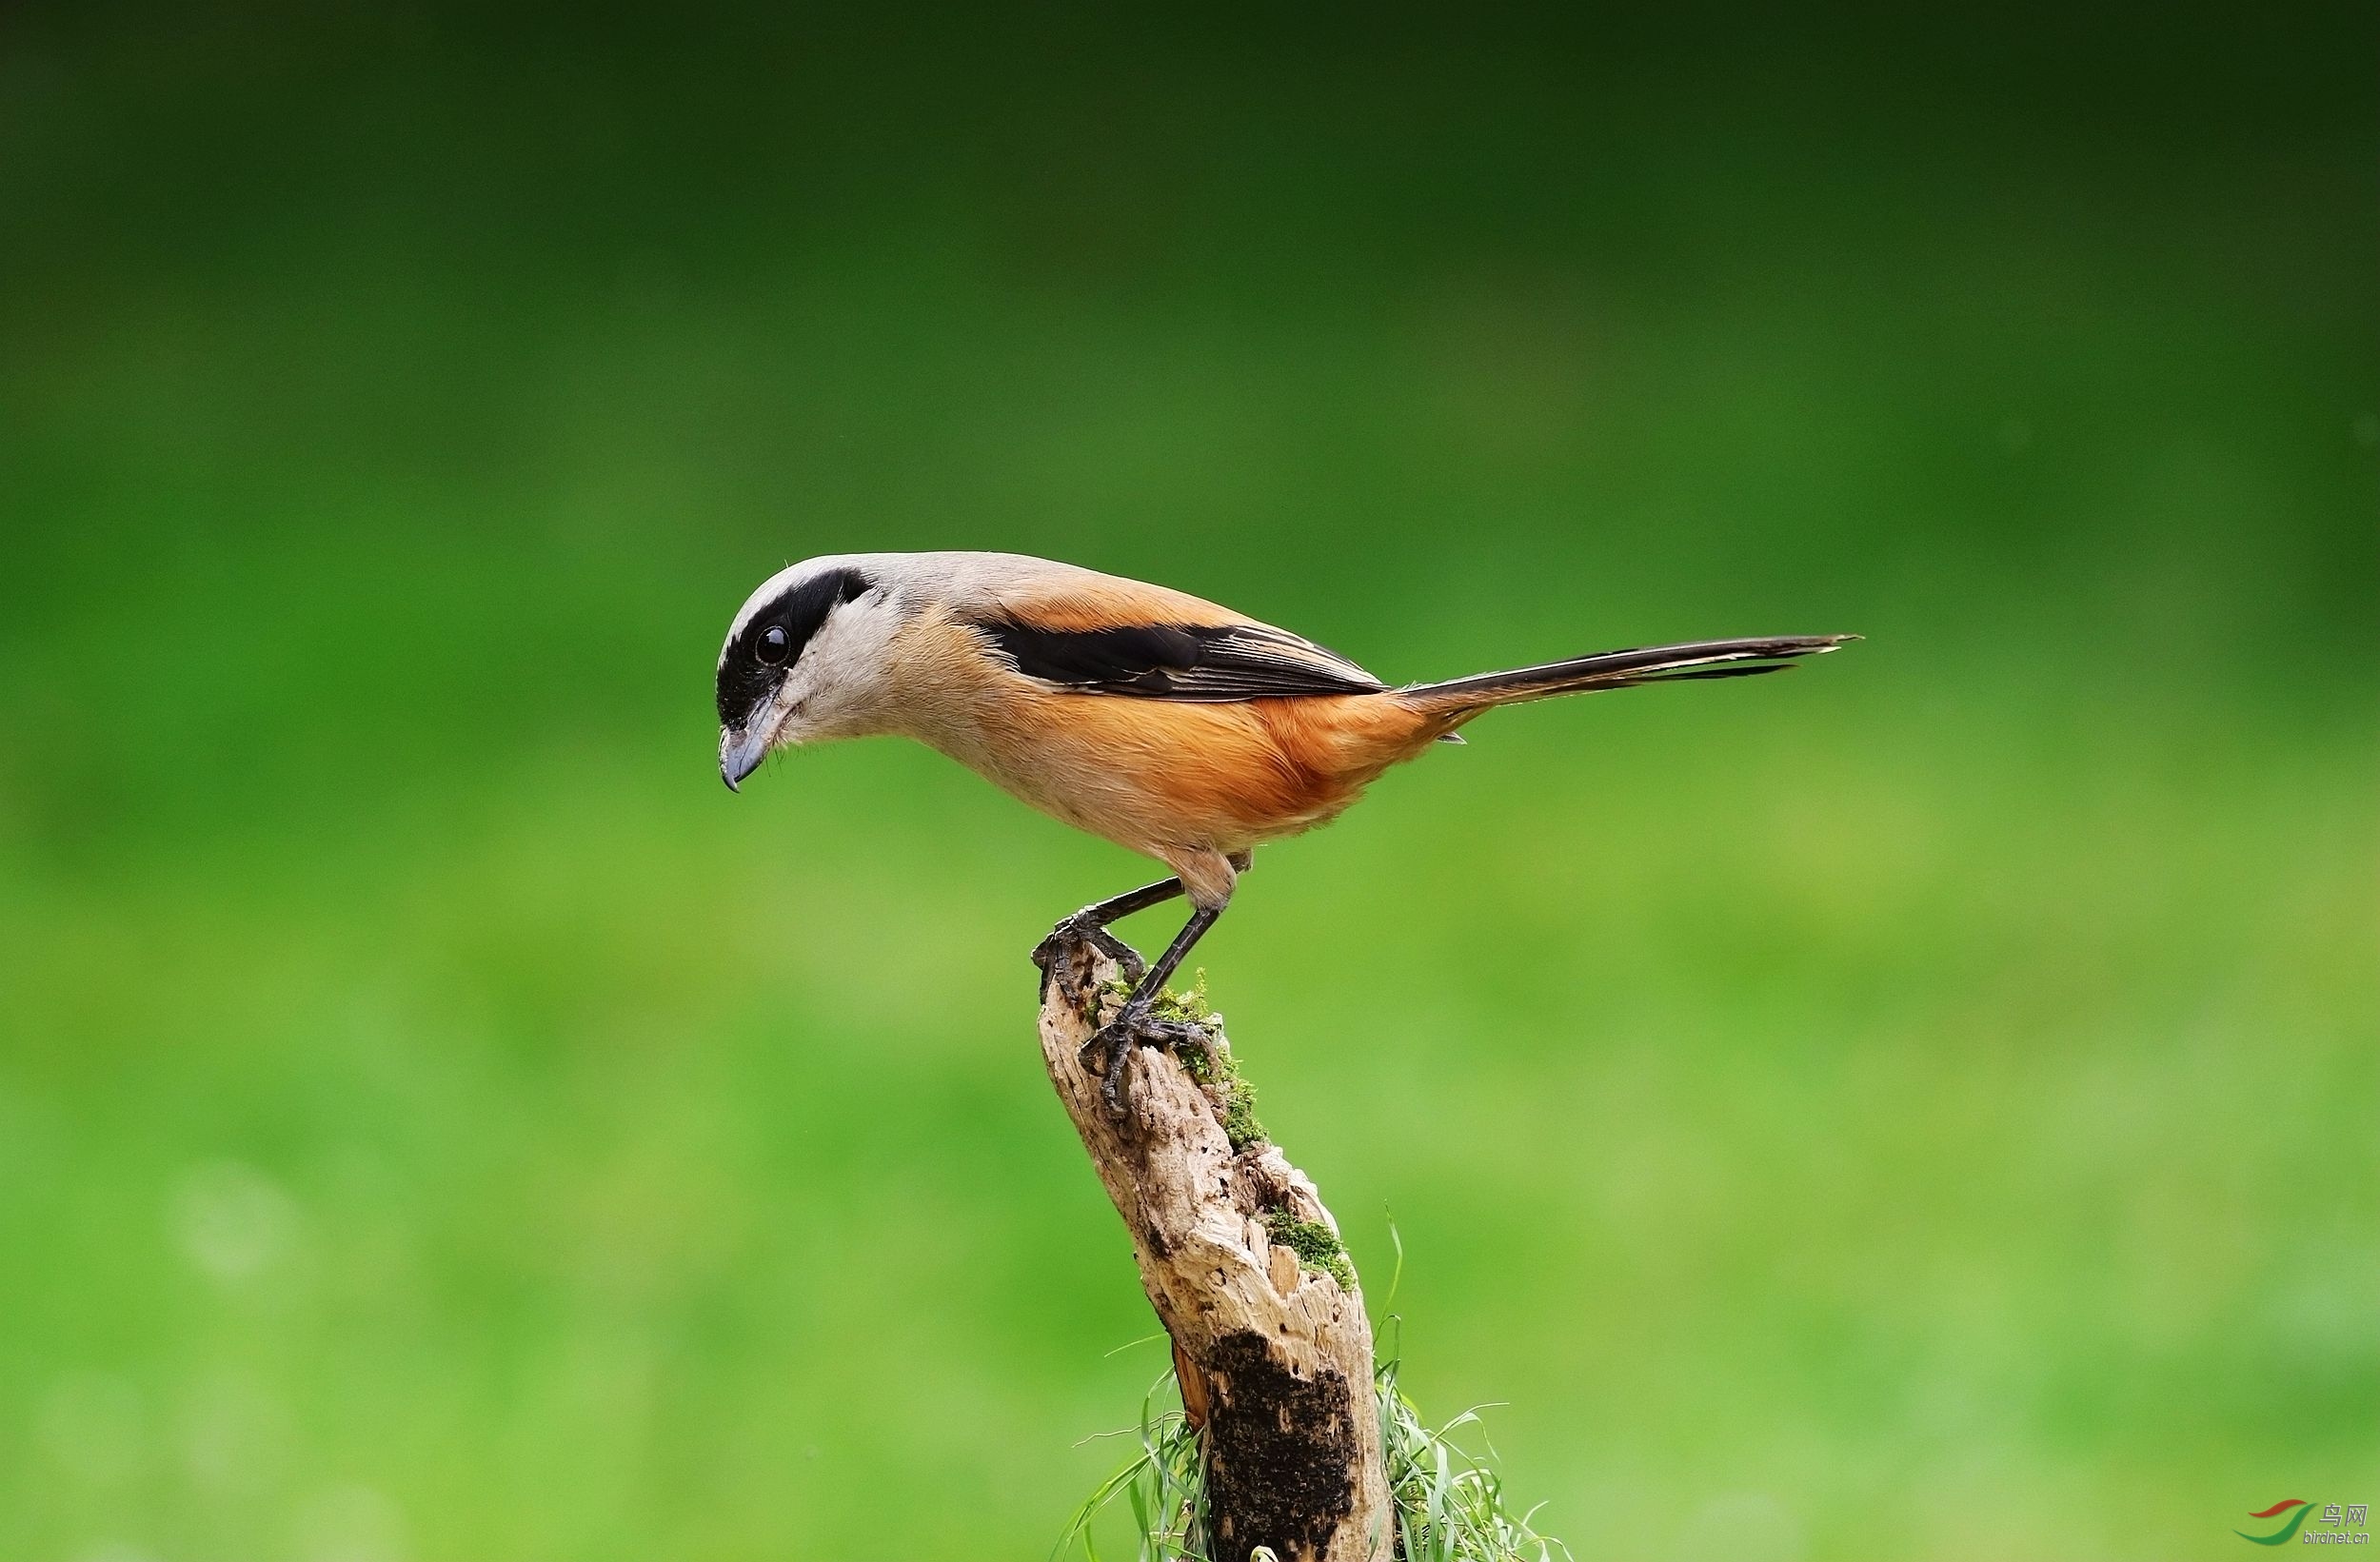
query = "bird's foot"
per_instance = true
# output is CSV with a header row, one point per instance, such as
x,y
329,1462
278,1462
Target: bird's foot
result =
x,y
1082,931
1105,1052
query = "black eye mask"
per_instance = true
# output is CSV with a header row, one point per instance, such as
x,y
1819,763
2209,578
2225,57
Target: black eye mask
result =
x,y
774,637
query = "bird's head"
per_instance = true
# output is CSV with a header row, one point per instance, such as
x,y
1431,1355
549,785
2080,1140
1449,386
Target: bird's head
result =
x,y
802,660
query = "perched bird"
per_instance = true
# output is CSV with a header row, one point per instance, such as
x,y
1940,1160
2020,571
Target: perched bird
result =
x,y
1180,729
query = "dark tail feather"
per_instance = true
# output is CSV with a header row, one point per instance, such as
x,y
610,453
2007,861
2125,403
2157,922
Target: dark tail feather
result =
x,y
1624,669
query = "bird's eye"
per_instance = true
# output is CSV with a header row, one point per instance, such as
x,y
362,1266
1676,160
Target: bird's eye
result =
x,y
773,644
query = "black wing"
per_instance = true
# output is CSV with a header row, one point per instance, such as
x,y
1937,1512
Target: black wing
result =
x,y
1199,662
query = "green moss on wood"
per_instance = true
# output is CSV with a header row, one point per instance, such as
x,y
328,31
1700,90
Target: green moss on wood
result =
x,y
1316,1246
1210,1065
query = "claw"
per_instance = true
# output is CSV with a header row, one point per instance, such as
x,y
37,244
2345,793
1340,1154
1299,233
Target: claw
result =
x,y
1079,929
1112,1077
1121,953
1103,1053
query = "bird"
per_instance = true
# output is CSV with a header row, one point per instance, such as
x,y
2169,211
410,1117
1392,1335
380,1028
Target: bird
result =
x,y
1166,724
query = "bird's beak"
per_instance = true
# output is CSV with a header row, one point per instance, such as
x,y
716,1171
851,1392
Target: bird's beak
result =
x,y
741,749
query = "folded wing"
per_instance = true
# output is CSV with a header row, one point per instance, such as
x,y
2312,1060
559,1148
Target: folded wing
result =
x,y
1189,661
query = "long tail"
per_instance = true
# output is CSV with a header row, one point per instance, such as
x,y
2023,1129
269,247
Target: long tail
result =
x,y
1620,670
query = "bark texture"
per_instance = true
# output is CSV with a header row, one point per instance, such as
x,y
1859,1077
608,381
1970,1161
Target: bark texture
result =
x,y
1274,1354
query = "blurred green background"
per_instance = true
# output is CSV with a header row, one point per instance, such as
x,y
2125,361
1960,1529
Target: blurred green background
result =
x,y
1922,1107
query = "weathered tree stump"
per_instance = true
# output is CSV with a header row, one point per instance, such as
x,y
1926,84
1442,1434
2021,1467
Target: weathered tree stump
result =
x,y
1242,1264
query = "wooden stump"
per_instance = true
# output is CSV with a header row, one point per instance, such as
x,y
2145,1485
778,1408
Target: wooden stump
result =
x,y
1273,1350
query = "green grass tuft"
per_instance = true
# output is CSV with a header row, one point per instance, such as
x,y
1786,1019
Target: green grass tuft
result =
x,y
1163,1485
1449,1502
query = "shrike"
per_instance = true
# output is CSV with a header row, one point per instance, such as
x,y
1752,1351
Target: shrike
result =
x,y
1169,725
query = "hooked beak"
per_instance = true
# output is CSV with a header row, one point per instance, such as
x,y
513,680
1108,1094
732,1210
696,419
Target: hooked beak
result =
x,y
741,749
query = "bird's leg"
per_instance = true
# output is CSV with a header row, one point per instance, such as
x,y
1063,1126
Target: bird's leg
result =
x,y
1111,1041
1089,925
